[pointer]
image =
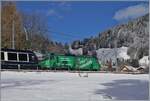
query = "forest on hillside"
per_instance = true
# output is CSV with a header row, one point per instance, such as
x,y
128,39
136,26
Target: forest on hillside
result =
x,y
133,34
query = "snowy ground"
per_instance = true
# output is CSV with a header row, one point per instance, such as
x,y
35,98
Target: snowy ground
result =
x,y
64,86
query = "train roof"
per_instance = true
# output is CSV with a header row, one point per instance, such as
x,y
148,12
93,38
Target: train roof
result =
x,y
16,50
72,55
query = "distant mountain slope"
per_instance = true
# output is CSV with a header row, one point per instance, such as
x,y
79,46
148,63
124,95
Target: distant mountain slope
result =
x,y
134,35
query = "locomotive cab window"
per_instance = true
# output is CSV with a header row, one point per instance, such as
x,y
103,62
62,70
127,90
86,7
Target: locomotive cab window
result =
x,y
2,55
23,57
31,57
12,56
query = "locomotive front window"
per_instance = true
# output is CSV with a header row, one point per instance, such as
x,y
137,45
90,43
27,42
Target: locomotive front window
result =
x,y
2,55
12,56
22,57
31,57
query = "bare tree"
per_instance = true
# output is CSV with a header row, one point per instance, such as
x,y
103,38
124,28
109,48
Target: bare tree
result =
x,y
11,24
36,29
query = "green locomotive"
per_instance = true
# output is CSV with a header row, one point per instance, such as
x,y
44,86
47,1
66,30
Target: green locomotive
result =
x,y
69,62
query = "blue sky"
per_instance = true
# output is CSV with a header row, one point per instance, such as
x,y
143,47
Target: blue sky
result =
x,y
71,21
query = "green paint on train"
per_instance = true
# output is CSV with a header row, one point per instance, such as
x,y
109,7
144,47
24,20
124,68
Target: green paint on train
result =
x,y
65,62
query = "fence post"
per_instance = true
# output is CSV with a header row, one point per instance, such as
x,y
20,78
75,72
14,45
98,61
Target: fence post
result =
x,y
18,67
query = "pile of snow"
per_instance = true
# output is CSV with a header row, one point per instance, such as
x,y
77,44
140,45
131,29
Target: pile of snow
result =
x,y
144,61
105,54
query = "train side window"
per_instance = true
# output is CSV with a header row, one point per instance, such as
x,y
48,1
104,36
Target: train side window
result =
x,y
12,56
2,55
23,57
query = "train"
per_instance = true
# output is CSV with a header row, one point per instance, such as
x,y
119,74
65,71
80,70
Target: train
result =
x,y
25,59
69,62
18,59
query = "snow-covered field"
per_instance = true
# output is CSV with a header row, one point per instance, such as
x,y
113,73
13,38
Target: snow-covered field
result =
x,y
64,86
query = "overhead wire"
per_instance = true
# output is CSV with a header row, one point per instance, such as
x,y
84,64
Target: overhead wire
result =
x,y
64,34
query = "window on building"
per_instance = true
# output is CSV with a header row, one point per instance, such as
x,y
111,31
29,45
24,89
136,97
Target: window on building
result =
x,y
23,57
12,56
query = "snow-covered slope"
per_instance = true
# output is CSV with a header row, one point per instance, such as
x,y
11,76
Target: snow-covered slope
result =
x,y
133,34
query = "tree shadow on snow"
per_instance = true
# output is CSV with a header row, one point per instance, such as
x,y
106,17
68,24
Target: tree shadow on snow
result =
x,y
129,89
17,83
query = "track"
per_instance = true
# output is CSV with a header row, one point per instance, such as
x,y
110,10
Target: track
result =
x,y
74,71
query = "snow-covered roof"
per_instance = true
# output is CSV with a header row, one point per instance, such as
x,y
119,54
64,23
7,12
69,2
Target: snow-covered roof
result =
x,y
130,68
144,67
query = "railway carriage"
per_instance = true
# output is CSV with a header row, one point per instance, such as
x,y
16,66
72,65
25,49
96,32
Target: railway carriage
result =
x,y
18,59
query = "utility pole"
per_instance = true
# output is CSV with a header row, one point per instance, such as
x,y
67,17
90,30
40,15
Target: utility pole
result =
x,y
27,38
26,34
13,35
